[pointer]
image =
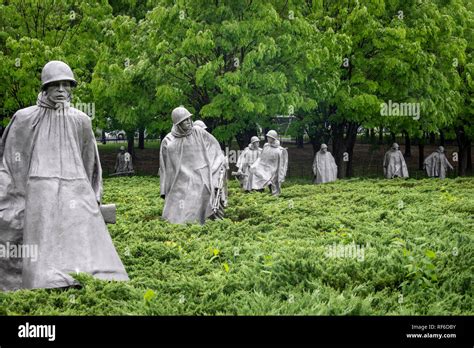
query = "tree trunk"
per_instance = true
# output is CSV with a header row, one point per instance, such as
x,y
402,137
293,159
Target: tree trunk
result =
x,y
380,135
432,138
299,141
243,137
350,143
141,138
393,137
463,144
421,154
104,137
469,158
162,135
315,143
343,144
131,142
407,145
441,138
338,147
265,131
372,136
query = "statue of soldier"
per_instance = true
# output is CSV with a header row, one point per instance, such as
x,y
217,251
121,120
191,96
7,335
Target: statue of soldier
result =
x,y
270,168
123,164
50,192
394,164
324,166
192,172
225,193
437,164
245,160
200,123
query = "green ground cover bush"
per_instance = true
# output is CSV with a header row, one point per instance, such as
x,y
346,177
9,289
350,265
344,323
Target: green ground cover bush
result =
x,y
270,255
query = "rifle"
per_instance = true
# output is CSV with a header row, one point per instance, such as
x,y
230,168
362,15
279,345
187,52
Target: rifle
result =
x,y
220,189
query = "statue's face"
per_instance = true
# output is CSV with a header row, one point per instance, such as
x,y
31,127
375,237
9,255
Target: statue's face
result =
x,y
441,149
58,92
324,149
255,144
270,140
395,148
186,124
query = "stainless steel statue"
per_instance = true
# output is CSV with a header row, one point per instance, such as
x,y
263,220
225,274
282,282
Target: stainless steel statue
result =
x,y
192,172
324,166
269,170
123,164
200,123
436,164
394,164
245,160
50,193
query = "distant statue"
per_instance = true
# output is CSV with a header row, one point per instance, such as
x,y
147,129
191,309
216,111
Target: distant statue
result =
x,y
437,164
192,172
123,164
269,170
394,164
200,123
324,166
50,193
246,159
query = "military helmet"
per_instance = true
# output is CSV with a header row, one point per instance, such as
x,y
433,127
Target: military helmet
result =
x,y
179,114
55,71
200,123
272,134
254,139
324,146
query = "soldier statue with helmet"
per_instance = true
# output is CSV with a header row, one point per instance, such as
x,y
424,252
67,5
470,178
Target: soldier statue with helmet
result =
x,y
248,157
50,192
192,172
270,168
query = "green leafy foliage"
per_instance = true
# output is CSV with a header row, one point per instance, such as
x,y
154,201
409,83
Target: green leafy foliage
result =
x,y
269,255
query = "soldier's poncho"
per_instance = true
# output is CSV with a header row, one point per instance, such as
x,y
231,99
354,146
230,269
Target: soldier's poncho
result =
x,y
189,173
123,164
324,167
50,183
394,165
436,165
246,159
270,168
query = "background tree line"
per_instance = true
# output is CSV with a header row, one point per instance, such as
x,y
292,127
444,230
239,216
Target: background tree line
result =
x,y
329,65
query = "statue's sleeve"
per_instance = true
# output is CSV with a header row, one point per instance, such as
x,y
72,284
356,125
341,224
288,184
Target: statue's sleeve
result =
x,y
240,159
315,163
385,160
162,170
283,165
404,166
90,158
448,163
427,161
116,163
215,155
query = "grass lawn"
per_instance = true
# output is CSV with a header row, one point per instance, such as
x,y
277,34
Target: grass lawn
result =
x,y
354,247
